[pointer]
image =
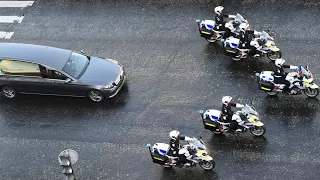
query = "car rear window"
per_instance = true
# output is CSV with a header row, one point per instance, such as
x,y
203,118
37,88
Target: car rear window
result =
x,y
19,68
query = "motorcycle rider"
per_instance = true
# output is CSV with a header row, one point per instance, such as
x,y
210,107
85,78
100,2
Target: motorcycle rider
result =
x,y
175,146
220,24
280,74
228,113
230,29
254,44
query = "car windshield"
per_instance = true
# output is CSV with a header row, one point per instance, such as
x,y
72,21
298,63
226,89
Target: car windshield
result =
x,y
266,37
76,65
249,110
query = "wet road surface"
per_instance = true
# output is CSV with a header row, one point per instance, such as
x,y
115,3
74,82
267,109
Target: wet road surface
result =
x,y
172,74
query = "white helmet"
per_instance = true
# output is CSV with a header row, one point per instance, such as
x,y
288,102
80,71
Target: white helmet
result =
x,y
174,134
243,27
226,100
279,62
218,10
230,26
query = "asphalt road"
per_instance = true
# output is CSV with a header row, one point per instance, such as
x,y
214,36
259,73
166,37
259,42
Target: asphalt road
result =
x,y
172,74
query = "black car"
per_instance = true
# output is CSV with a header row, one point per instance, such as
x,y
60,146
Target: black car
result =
x,y
43,70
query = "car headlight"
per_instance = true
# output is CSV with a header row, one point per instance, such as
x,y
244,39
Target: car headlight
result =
x,y
112,60
108,86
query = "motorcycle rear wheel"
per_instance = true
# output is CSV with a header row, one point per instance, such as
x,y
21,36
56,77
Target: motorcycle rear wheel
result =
x,y
207,165
211,40
272,93
311,92
166,166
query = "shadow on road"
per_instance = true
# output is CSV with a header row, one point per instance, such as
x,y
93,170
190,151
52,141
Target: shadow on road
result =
x,y
37,101
229,142
188,173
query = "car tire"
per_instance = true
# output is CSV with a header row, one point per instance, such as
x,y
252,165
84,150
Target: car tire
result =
x,y
9,92
95,95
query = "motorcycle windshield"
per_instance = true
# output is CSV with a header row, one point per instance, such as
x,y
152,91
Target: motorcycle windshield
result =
x,y
249,110
196,143
266,37
240,19
303,72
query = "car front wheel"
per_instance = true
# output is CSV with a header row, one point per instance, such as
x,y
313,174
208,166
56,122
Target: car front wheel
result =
x,y
95,95
9,92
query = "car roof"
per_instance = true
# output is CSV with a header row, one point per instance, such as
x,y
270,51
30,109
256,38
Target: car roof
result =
x,y
45,55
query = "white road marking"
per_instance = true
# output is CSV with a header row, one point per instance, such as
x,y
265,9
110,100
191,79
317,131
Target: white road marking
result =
x,y
15,3
5,35
11,19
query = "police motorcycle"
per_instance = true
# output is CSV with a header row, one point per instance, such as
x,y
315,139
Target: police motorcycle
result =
x,y
297,86
212,120
195,148
264,39
207,31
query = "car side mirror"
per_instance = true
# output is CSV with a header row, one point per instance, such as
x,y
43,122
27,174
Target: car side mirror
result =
x,y
68,80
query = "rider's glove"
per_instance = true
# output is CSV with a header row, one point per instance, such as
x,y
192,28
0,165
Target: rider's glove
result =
x,y
293,67
239,105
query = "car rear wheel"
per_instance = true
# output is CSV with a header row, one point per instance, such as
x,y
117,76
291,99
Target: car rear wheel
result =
x,y
95,95
9,92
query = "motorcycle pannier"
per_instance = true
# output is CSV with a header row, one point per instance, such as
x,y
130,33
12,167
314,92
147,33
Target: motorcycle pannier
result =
x,y
206,33
210,125
266,86
158,158
230,49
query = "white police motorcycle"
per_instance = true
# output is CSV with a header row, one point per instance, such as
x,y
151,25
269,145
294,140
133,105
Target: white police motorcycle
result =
x,y
207,30
297,86
212,120
231,45
196,149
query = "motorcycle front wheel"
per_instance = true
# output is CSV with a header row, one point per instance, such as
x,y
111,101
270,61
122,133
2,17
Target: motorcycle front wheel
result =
x,y
207,165
258,130
274,55
311,92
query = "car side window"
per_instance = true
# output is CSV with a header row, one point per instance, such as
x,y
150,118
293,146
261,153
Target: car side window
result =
x,y
53,74
19,68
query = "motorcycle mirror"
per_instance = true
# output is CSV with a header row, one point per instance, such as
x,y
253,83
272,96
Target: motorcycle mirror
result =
x,y
257,74
307,66
200,137
148,145
198,20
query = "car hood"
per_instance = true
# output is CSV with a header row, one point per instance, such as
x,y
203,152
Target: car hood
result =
x,y
100,72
